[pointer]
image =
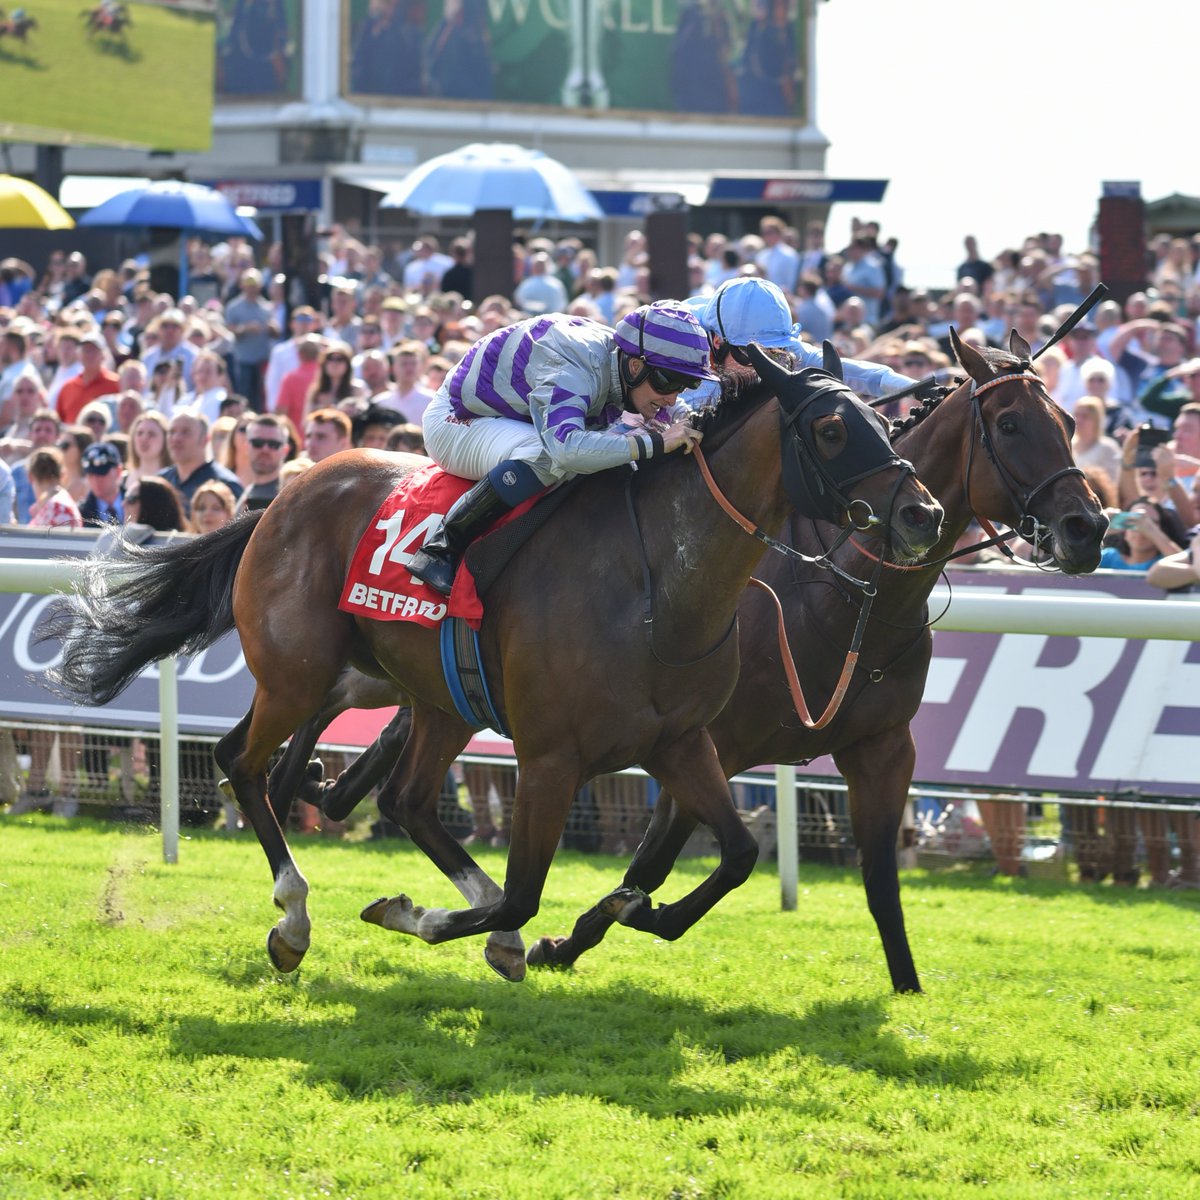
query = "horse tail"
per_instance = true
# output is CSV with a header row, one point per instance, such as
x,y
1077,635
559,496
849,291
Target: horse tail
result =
x,y
155,601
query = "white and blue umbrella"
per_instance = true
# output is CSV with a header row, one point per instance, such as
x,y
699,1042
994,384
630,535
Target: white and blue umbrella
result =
x,y
173,204
494,175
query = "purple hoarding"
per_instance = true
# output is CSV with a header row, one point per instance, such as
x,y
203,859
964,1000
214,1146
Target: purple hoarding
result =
x,y
1001,711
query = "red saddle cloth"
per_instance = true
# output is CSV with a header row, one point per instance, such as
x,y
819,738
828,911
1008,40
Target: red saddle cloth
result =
x,y
378,584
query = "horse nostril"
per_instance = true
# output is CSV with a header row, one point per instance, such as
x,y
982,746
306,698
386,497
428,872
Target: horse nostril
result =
x,y
922,516
1078,529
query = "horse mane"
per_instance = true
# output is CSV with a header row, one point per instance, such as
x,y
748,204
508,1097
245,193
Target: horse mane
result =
x,y
741,393
1000,361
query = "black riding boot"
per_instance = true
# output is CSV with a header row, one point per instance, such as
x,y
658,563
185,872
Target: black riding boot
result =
x,y
437,561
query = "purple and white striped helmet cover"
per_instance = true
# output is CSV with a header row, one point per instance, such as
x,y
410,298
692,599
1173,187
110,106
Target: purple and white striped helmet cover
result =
x,y
668,336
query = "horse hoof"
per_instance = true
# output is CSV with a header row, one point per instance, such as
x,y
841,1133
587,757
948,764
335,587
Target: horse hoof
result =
x,y
544,953
226,790
397,913
508,962
283,957
622,903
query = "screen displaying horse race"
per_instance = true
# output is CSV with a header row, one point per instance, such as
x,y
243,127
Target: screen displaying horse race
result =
x,y
717,58
108,73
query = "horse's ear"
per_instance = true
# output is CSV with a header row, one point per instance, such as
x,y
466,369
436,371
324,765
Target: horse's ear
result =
x,y
831,360
769,371
1018,346
972,361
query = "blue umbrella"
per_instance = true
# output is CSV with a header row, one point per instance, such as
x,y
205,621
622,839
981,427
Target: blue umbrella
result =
x,y
173,204
494,175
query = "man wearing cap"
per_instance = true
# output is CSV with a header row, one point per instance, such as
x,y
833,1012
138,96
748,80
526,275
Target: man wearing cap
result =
x,y
343,319
748,309
251,320
393,320
285,355
103,471
1081,343
172,347
66,345
92,382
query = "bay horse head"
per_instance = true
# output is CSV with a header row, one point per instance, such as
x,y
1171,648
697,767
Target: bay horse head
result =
x,y
835,451
1026,438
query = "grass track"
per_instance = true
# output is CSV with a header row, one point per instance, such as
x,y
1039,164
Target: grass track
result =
x,y
148,1049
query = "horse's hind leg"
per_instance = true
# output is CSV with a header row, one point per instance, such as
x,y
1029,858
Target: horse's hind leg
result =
x,y
651,864
878,771
243,755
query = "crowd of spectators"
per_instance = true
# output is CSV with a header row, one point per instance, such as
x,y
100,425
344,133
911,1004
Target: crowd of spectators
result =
x,y
122,404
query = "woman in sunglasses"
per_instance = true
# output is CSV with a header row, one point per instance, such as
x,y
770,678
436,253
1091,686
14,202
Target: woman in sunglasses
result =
x,y
547,388
335,380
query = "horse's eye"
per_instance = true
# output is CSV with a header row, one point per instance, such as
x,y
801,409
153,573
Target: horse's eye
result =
x,y
1008,425
832,432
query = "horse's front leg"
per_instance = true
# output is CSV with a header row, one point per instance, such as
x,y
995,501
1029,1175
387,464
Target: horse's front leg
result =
x,y
651,864
545,789
878,772
691,771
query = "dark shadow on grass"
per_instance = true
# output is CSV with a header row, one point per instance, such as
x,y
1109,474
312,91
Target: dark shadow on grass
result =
x,y
20,58
115,47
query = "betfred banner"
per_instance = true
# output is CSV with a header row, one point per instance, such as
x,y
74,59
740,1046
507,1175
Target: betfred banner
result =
x,y
734,58
1020,711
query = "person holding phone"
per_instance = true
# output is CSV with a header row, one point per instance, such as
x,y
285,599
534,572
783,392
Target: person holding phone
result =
x,y
1141,537
1148,469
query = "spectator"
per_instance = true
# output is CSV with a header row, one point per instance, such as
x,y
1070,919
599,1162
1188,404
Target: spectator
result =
x,y
344,322
1144,539
94,381
409,397
103,504
267,438
334,380
171,346
370,337
408,439
210,386
128,408
187,440
154,502
291,471
213,505
1090,445
76,280
460,277
73,440
251,320
97,417
1174,390
373,425
974,267
43,434
66,350
285,355
393,316
14,355
1156,479
375,373
426,265
53,507
28,399
235,450
541,291
777,260
148,453
292,399
112,331
327,431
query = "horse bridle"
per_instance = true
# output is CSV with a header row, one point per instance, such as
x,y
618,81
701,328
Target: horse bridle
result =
x,y
1028,526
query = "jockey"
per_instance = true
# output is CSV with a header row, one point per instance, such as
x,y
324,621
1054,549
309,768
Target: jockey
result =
x,y
747,309
528,404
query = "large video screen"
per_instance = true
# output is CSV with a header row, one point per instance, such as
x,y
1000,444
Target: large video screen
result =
x,y
258,49
108,73
731,58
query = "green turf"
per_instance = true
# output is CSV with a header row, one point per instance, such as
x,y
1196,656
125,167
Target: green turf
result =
x,y
152,86
148,1049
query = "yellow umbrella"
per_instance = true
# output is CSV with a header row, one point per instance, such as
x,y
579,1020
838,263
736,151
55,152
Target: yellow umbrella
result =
x,y
24,205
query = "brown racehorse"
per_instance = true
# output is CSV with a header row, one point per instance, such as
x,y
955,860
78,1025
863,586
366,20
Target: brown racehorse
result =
x,y
592,670
998,447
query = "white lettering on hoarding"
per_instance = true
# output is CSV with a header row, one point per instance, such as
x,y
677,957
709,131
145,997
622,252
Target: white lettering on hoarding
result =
x,y
1015,681
1132,750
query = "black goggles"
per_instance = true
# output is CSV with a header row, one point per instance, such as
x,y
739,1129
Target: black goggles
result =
x,y
667,383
